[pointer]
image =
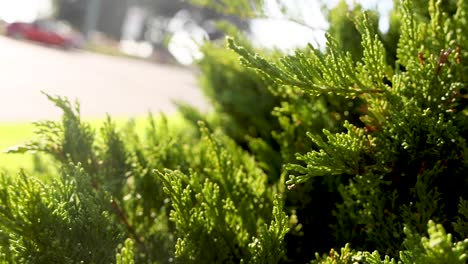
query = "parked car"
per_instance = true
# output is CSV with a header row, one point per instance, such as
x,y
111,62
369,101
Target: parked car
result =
x,y
46,31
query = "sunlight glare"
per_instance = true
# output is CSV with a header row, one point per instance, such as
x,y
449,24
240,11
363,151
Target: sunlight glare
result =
x,y
24,10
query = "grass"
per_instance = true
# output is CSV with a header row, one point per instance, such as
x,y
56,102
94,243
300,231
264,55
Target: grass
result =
x,y
106,50
12,134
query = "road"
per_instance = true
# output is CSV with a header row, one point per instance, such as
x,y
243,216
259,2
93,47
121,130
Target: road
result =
x,y
102,84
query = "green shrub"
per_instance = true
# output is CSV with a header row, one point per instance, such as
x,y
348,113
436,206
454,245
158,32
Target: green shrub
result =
x,y
405,163
230,203
437,248
65,221
225,207
373,141
241,99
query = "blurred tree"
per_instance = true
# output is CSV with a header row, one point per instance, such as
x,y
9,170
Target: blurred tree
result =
x,y
72,11
112,17
200,16
161,18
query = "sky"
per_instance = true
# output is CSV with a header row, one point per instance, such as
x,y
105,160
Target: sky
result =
x,y
278,33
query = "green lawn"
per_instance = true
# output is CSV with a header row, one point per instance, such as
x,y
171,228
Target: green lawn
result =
x,y
12,134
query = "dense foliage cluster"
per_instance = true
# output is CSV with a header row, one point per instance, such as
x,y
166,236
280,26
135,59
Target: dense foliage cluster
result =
x,y
351,154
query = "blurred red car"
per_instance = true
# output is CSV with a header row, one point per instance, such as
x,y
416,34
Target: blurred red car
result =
x,y
48,32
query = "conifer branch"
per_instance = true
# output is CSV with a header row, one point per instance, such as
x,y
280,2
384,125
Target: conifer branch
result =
x,y
120,213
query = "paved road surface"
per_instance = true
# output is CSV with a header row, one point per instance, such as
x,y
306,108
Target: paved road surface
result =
x,y
102,84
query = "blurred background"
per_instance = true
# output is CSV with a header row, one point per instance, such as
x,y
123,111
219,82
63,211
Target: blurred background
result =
x,y
128,57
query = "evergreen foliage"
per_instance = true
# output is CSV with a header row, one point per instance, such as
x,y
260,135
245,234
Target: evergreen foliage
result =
x,y
234,90
229,201
409,154
65,221
126,254
224,207
437,248
461,226
372,136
